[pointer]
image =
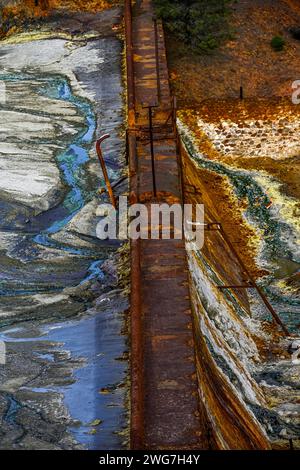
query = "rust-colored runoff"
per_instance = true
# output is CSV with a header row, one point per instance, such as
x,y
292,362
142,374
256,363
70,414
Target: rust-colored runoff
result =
x,y
104,170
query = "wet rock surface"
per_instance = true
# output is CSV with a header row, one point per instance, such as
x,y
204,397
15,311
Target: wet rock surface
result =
x,y
63,376
61,314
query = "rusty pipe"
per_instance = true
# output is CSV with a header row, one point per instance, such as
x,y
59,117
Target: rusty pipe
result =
x,y
104,170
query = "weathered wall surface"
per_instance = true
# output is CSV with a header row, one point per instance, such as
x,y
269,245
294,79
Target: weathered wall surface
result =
x,y
246,377
226,351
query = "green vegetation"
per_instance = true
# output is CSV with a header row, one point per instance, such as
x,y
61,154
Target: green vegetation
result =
x,y
278,43
201,24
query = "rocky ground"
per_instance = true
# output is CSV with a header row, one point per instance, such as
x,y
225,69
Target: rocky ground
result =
x,y
62,308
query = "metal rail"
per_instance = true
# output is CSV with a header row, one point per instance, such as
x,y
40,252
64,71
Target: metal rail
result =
x,y
129,63
157,59
152,151
136,321
150,118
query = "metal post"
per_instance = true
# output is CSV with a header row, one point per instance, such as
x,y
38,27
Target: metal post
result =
x,y
174,103
104,170
152,149
241,93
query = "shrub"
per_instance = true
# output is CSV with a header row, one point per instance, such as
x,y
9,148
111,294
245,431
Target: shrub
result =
x,y
201,24
278,43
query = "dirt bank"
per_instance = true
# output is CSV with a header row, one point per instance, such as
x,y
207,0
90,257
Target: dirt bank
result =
x,y
17,16
248,59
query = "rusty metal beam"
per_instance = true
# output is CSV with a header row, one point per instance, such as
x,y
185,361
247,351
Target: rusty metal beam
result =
x,y
129,63
157,59
152,149
137,351
136,321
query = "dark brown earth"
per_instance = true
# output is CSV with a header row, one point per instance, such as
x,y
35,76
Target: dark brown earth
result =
x,y
209,86
248,59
